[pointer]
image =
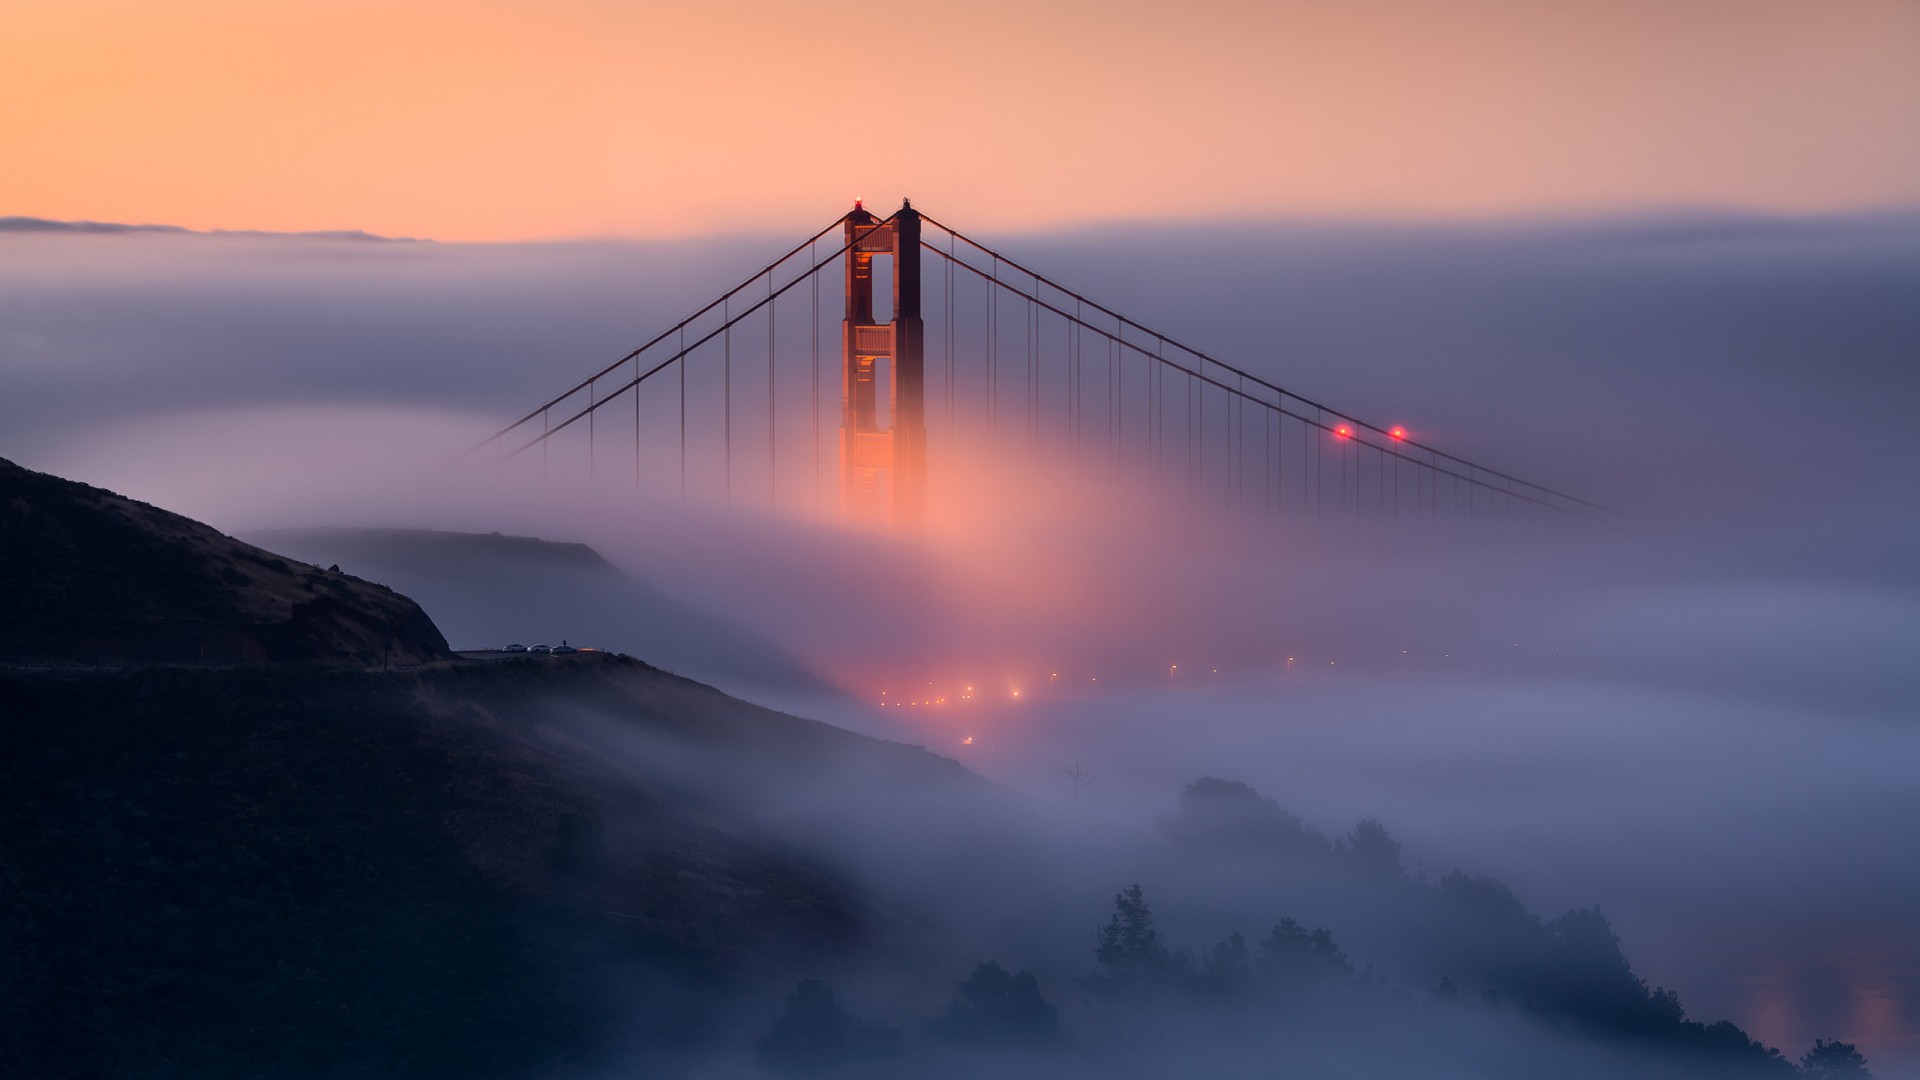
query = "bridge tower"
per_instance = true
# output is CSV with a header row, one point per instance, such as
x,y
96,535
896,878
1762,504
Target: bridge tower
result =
x,y
883,458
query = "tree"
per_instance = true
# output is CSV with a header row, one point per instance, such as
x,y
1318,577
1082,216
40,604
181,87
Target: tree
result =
x,y
1371,852
993,1006
1230,816
1291,956
1588,978
1132,955
1225,970
1831,1059
1724,1040
1663,1007
815,1033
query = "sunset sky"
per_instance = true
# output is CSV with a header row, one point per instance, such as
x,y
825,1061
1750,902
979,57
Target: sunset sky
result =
x,y
500,120
1697,713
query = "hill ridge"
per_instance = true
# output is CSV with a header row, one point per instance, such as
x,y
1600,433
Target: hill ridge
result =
x,y
93,577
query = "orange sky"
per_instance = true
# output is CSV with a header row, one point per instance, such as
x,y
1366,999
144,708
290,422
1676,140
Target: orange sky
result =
x,y
489,119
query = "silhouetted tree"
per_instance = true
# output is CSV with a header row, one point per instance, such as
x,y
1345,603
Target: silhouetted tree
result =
x,y
1291,956
993,1006
1725,1041
1229,815
1831,1059
1572,967
815,1033
1133,956
1484,899
1370,852
1225,970
1585,976
1663,1006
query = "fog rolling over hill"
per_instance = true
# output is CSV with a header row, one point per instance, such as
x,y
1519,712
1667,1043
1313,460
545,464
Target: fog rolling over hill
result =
x,y
317,864
238,836
487,590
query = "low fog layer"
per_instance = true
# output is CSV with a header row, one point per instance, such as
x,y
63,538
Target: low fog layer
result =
x,y
1697,713
494,590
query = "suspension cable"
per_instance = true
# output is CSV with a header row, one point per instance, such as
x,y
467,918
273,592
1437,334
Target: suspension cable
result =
x,y
1205,358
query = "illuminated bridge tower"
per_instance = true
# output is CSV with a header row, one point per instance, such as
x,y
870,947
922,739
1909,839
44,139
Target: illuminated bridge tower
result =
x,y
883,455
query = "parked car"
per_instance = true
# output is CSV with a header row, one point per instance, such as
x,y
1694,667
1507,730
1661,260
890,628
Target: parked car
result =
x,y
540,648
564,649
515,648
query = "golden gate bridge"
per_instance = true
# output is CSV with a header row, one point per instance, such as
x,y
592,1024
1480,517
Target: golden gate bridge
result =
x,y
984,357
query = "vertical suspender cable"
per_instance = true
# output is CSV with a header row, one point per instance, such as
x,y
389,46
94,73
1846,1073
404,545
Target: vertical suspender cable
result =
x,y
947,314
772,308
1279,463
1318,434
1160,419
726,390
1267,417
1237,418
682,366
1113,409
814,279
1037,362
993,351
636,429
1073,378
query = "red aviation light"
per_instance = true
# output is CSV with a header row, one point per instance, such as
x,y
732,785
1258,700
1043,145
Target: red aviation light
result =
x,y
1397,432
1342,431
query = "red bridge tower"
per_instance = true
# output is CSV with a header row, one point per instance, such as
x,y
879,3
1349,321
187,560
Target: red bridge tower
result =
x,y
883,458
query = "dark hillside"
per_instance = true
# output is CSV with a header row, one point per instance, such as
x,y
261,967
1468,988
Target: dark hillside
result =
x,y
291,871
91,577
231,845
